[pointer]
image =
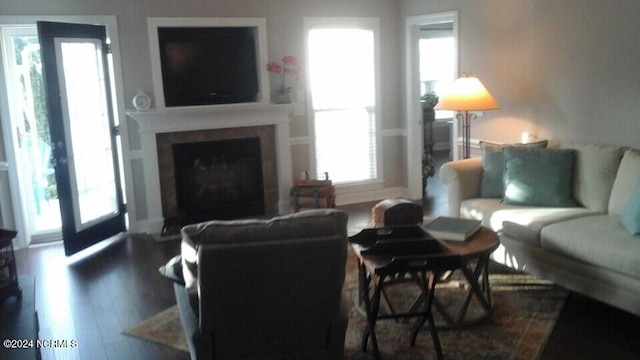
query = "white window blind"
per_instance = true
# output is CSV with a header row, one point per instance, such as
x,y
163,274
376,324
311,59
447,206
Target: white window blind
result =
x,y
343,95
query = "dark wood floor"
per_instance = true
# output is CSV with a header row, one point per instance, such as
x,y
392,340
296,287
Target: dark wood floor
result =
x,y
93,299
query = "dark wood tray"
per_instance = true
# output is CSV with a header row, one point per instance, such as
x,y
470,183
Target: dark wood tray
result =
x,y
403,248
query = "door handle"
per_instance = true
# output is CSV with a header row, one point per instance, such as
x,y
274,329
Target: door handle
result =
x,y
55,162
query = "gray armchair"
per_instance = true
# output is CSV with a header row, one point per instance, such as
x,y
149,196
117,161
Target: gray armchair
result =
x,y
268,289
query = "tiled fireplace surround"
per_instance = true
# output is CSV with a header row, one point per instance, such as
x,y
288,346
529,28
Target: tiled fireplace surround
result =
x,y
160,129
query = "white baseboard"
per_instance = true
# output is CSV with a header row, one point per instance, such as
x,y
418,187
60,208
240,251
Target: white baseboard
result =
x,y
147,226
370,195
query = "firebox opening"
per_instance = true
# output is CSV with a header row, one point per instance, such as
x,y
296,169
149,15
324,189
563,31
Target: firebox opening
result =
x,y
219,180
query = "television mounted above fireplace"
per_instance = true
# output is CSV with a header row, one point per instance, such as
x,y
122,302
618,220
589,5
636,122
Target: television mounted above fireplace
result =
x,y
208,61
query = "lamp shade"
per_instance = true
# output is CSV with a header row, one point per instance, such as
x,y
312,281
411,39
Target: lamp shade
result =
x,y
467,94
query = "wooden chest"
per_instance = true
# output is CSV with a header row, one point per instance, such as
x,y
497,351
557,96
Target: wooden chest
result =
x,y
313,194
393,212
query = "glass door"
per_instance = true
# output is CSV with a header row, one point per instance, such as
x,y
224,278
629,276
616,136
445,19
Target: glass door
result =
x,y
83,132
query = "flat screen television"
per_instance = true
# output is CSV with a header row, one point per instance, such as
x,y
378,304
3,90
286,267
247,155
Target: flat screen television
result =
x,y
208,65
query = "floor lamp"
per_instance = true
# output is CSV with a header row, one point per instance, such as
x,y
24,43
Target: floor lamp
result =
x,y
467,95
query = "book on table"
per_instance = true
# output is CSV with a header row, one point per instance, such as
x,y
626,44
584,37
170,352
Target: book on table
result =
x,y
448,228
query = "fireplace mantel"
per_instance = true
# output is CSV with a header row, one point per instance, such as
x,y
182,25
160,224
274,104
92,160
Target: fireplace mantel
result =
x,y
153,122
211,117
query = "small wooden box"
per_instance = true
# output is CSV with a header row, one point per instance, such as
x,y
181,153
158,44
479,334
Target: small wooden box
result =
x,y
393,212
313,194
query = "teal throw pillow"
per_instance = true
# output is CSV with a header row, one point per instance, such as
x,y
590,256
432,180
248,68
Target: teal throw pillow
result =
x,y
491,185
630,218
538,177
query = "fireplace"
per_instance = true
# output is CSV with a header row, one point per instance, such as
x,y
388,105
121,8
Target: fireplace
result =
x,y
217,174
160,129
218,179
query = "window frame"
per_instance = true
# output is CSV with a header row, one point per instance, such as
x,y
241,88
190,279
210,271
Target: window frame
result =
x,y
365,23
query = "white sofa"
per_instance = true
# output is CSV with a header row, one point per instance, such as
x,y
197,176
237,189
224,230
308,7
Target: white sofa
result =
x,y
583,248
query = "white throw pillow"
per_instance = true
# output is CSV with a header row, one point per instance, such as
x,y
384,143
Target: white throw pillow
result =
x,y
595,171
626,180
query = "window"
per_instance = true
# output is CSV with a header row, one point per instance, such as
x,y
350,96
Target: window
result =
x,y
344,101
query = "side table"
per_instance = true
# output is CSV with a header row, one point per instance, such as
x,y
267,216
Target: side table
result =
x,y
8,274
385,253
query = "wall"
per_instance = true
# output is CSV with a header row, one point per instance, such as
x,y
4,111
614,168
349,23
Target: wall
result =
x,y
285,36
561,69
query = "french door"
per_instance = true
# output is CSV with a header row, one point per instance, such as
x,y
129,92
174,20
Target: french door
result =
x,y
83,132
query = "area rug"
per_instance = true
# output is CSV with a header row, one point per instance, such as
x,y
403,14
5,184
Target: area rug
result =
x,y
524,313
163,328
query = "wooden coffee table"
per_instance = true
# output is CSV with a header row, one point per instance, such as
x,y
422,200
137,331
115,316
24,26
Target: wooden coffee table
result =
x,y
386,255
